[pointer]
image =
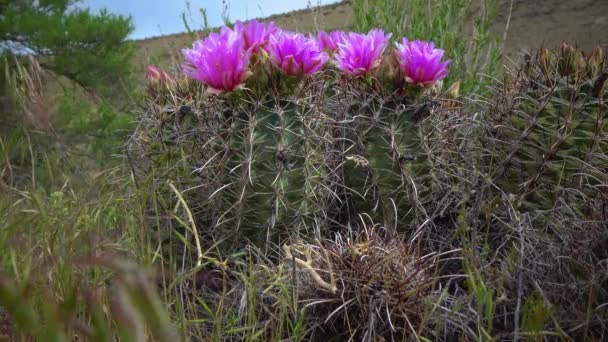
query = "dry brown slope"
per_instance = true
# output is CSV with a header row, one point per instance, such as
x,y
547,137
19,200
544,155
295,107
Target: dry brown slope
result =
x,y
549,22
532,24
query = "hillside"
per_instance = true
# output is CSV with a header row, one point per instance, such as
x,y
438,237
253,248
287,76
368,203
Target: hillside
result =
x,y
533,23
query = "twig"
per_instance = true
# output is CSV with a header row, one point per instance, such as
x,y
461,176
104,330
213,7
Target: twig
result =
x,y
519,293
307,267
520,229
197,240
504,34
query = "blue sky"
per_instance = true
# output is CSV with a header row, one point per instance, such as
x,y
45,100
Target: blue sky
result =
x,y
160,17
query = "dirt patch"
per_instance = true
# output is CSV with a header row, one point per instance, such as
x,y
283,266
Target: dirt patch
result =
x,y
550,22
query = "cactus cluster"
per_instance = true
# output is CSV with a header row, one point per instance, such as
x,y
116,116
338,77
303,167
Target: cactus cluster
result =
x,y
516,182
550,128
541,155
296,147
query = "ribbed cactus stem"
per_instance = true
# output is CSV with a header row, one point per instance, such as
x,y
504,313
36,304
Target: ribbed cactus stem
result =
x,y
551,135
320,154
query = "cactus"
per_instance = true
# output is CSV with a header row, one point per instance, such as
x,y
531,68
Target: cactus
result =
x,y
550,128
383,163
289,145
262,164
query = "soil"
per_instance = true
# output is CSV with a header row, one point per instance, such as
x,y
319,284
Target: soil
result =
x,y
550,22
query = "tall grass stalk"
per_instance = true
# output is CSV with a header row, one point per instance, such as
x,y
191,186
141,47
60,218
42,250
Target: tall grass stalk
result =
x,y
460,27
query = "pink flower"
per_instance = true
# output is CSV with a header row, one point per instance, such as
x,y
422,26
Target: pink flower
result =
x,y
156,76
295,54
330,41
219,61
420,62
164,76
152,73
255,34
358,53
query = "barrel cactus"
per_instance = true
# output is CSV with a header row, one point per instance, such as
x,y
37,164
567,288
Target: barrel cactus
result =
x,y
281,142
550,128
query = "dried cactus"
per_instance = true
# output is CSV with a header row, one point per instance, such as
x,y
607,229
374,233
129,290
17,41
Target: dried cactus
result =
x,y
373,278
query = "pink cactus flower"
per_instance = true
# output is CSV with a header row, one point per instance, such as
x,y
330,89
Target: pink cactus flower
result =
x,y
296,54
219,61
152,73
421,62
255,34
164,76
359,53
330,41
